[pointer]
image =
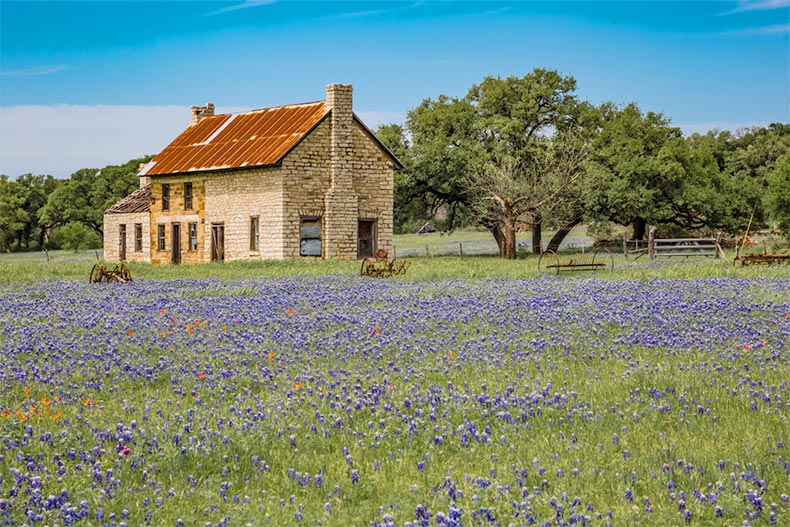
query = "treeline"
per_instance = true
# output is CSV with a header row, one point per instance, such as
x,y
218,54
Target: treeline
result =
x,y
515,153
526,153
39,211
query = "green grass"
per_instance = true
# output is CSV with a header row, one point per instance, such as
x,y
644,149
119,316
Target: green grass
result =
x,y
28,267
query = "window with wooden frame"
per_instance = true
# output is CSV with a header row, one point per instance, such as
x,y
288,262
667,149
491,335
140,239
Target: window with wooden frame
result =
x,y
160,237
166,196
193,241
138,237
310,237
254,233
188,196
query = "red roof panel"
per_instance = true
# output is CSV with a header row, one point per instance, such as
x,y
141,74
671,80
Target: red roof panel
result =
x,y
256,138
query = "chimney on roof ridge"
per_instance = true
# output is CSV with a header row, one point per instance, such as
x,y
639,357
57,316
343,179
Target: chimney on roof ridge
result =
x,y
199,112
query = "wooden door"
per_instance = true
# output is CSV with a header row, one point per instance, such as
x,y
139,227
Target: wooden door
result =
x,y
176,239
366,239
122,243
217,242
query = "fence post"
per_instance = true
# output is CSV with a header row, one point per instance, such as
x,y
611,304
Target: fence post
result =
x,y
461,249
625,246
427,251
651,240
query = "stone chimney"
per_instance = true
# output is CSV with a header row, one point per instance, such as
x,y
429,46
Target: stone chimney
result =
x,y
199,112
341,208
339,98
145,181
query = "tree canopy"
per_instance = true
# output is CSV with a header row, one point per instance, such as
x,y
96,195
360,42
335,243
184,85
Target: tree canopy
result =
x,y
521,152
32,206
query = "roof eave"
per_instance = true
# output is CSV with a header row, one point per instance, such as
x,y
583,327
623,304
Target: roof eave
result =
x,y
215,170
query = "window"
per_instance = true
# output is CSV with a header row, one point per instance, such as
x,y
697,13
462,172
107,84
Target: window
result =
x,y
138,237
166,196
160,237
187,196
254,233
193,236
310,237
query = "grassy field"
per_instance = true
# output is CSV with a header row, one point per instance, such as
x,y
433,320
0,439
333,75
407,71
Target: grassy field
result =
x,y
430,257
471,391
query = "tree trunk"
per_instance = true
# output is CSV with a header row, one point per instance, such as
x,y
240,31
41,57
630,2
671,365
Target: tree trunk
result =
x,y
639,229
505,237
510,242
536,236
559,236
499,237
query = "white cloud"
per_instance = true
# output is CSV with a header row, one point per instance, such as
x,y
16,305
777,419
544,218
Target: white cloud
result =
x,y
61,139
246,4
777,29
34,71
758,5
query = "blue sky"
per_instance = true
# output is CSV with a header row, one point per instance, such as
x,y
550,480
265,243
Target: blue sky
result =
x,y
88,83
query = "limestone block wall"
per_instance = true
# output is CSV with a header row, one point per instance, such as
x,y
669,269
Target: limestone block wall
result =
x,y
305,176
177,213
232,199
112,234
374,180
308,192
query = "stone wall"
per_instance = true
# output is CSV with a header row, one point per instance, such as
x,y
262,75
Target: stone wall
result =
x,y
374,186
112,233
177,214
232,199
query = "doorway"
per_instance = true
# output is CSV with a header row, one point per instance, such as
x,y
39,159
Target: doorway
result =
x,y
366,239
122,243
176,238
217,241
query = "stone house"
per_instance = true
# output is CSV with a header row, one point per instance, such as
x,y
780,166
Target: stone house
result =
x,y
303,180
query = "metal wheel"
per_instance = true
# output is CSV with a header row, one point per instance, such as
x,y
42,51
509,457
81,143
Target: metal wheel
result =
x,y
548,260
125,272
368,267
95,276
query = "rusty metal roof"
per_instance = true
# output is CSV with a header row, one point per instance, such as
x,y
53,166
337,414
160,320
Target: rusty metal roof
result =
x,y
257,138
137,201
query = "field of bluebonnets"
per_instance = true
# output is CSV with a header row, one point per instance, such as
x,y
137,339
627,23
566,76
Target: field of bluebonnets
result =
x,y
340,400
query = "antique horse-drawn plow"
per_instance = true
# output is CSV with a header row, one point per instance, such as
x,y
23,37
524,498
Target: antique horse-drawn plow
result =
x,y
118,273
591,261
382,267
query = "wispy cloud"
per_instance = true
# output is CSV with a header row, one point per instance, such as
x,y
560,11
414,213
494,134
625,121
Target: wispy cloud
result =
x,y
246,4
758,5
777,29
34,71
359,14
